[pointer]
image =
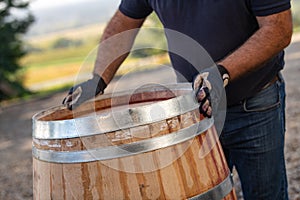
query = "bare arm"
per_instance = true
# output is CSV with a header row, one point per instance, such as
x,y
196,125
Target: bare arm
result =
x,y
115,44
273,35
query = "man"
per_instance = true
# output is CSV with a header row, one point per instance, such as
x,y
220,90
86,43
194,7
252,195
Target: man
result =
x,y
245,39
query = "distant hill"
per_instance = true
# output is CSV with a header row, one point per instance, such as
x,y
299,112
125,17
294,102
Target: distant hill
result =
x,y
71,15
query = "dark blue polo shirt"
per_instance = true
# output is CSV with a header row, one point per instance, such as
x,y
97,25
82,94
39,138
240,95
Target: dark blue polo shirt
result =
x,y
220,27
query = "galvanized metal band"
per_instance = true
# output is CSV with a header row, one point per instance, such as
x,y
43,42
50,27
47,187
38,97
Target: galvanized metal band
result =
x,y
218,192
112,152
115,120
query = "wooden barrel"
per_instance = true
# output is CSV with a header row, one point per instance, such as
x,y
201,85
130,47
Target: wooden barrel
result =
x,y
144,144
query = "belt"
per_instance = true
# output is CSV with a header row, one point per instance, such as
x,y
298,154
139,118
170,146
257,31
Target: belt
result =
x,y
271,82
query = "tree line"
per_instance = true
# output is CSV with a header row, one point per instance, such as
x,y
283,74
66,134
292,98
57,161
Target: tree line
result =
x,y
14,23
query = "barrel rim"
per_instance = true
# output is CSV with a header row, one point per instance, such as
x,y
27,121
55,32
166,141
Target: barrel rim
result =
x,y
122,119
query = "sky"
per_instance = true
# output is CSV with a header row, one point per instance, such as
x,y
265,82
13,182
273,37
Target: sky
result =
x,y
38,4
53,15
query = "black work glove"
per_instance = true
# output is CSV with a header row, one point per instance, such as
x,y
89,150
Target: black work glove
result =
x,y
84,91
208,86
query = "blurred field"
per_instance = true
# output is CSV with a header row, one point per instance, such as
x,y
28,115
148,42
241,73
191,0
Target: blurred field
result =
x,y
47,67
56,59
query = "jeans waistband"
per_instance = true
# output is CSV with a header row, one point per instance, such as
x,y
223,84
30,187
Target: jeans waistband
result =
x,y
278,77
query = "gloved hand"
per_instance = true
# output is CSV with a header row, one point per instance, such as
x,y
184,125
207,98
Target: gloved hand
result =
x,y
84,91
208,86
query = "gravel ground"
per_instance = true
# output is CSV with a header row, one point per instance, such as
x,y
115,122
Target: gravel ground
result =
x,y
15,136
292,139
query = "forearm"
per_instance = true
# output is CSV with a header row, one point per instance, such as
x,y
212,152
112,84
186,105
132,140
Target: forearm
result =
x,y
115,44
273,36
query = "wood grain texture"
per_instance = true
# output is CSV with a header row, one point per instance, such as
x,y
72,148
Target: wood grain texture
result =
x,y
180,171
161,174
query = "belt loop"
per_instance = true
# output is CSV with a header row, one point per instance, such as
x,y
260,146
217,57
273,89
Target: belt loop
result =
x,y
244,104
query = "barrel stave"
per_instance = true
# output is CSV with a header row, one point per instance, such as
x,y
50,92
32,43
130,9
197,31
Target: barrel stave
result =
x,y
179,171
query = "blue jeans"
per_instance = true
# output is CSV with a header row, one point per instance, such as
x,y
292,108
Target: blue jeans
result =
x,y
253,142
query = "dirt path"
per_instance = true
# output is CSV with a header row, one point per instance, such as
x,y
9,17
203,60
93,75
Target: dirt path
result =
x,y
15,132
291,74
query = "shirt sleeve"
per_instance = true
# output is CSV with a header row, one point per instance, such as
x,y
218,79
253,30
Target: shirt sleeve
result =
x,y
136,9
269,7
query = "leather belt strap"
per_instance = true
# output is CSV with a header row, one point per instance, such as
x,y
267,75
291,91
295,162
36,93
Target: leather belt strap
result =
x,y
271,82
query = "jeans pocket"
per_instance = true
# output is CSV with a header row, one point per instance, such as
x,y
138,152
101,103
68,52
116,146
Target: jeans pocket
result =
x,y
264,100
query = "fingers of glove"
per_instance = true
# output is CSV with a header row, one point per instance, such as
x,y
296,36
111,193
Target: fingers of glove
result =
x,y
202,93
198,82
204,99
72,90
73,98
205,108
68,98
207,84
